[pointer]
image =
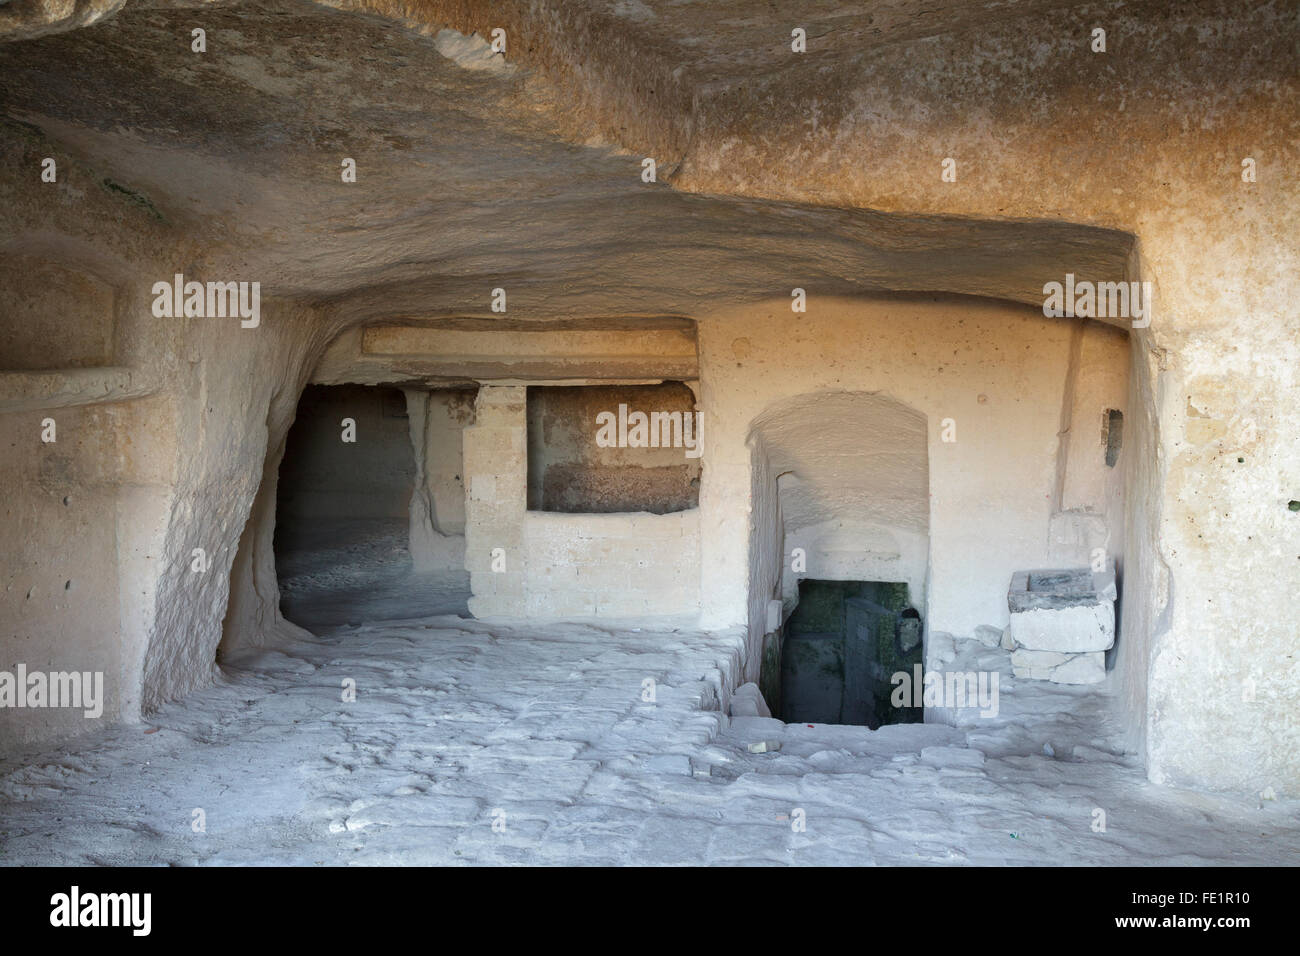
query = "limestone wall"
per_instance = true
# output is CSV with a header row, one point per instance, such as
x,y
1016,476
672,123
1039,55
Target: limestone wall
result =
x,y
82,523
766,562
551,565
997,372
612,565
437,504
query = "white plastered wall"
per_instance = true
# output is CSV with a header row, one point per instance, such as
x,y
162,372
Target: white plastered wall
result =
x,y
552,565
437,506
997,372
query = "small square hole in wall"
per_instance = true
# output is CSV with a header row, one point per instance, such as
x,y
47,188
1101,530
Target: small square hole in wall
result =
x,y
1114,435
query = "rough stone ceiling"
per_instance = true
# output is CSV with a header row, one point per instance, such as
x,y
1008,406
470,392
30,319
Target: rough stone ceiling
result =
x,y
722,43
708,41
465,179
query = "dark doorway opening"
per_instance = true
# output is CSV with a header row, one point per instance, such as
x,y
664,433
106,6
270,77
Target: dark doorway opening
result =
x,y
344,506
842,645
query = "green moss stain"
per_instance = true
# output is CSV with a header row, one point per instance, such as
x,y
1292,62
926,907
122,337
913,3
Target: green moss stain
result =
x,y
28,131
131,195
769,677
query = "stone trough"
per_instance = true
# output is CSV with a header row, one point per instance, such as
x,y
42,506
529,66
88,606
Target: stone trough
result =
x,y
1062,623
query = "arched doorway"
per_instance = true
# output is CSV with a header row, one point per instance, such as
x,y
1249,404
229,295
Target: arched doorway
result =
x,y
841,533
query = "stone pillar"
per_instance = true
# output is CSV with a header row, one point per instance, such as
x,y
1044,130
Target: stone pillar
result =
x,y
496,466
426,544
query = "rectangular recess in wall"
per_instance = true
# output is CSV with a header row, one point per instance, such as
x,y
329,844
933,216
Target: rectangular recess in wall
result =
x,y
1114,435
56,317
589,453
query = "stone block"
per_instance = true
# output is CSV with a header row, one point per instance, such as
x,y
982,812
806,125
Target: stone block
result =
x,y
1058,667
1081,669
1071,630
1070,610
747,701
